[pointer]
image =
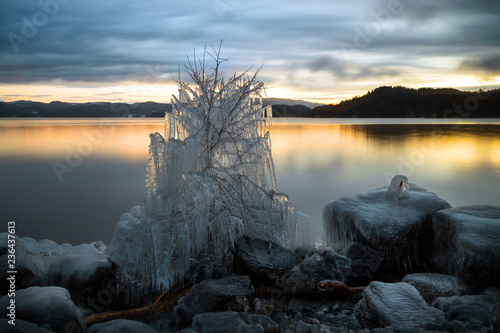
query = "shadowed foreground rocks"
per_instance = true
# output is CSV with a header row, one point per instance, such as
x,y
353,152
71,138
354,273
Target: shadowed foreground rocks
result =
x,y
440,274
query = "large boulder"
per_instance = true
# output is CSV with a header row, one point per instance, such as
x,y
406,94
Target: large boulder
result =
x,y
46,306
476,311
83,270
325,264
213,295
396,304
466,244
264,259
400,229
433,285
30,263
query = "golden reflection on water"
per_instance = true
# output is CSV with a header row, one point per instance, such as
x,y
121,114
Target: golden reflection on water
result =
x,y
55,138
294,144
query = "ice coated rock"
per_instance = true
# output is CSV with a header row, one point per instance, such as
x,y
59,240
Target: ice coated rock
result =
x,y
30,267
264,259
213,295
233,322
21,327
395,304
476,311
466,244
83,270
433,285
122,326
326,264
400,230
365,262
47,305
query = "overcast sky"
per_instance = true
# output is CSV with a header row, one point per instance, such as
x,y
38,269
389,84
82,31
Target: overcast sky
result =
x,y
323,51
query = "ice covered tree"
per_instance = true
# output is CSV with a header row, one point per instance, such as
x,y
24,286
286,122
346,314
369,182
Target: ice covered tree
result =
x,y
209,180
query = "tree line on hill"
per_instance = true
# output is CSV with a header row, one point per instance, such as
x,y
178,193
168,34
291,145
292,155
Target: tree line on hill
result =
x,y
402,102
382,102
106,109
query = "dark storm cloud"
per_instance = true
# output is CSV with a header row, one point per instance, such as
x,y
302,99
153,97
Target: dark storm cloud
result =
x,y
111,41
488,64
346,70
93,41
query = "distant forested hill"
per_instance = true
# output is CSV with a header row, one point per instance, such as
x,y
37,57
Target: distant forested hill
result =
x,y
383,102
98,109
402,102
105,109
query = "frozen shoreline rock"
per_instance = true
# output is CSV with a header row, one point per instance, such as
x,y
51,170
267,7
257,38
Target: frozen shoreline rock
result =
x,y
84,269
401,230
47,305
466,244
396,304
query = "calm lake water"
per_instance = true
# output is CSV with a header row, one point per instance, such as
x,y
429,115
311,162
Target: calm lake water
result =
x,y
70,179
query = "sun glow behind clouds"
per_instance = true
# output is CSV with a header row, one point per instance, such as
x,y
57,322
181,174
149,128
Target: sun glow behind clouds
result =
x,y
126,92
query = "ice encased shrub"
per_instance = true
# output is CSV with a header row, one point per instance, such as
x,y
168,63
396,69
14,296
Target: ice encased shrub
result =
x,y
209,180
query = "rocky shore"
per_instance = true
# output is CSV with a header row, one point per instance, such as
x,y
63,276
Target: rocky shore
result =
x,y
388,264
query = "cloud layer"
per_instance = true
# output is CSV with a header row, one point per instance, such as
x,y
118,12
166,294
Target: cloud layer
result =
x,y
319,48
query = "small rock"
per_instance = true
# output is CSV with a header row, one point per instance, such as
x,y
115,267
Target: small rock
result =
x,y
475,310
302,305
213,295
264,259
212,322
326,264
433,285
365,262
122,325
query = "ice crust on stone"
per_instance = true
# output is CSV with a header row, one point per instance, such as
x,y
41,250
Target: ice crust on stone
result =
x,y
45,262
395,304
397,229
210,179
53,306
466,244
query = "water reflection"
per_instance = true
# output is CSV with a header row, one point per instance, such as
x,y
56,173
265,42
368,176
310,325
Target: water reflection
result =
x,y
316,162
58,138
